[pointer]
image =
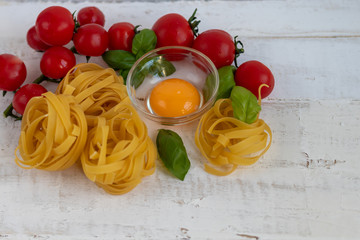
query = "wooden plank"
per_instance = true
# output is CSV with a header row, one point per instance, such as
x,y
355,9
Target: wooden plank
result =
x,y
306,183
303,68
307,186
332,18
317,66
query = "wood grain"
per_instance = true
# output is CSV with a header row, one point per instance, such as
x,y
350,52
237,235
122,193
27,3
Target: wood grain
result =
x,y
307,186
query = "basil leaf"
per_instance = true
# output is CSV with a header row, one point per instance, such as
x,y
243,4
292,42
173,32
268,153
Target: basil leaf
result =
x,y
226,81
139,77
157,66
160,67
119,59
143,42
209,86
124,73
172,152
245,104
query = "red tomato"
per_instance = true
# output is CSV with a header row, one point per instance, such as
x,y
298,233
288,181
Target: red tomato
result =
x,y
34,41
55,26
121,36
12,72
173,30
90,15
252,74
218,45
91,40
24,94
56,62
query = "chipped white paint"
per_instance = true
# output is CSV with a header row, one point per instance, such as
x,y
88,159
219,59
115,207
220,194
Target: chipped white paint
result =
x,y
307,186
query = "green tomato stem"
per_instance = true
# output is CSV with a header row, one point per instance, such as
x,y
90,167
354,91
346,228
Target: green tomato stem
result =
x,y
194,24
9,112
40,79
238,50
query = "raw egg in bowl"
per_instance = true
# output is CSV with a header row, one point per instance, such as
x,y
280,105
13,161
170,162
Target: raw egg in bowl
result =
x,y
173,85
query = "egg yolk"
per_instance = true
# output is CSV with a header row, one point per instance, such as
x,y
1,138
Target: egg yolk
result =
x,y
174,98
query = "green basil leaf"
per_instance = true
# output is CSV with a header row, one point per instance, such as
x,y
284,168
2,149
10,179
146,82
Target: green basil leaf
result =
x,y
140,72
226,81
209,86
172,152
124,73
157,66
245,104
160,67
139,77
119,59
143,42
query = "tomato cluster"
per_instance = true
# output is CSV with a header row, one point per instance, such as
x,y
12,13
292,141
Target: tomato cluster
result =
x,y
56,28
174,30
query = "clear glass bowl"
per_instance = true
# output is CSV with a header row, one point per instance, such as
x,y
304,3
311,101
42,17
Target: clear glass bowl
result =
x,y
172,62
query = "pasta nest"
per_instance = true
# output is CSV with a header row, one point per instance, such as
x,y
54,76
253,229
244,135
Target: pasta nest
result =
x,y
227,142
118,152
53,133
91,118
96,89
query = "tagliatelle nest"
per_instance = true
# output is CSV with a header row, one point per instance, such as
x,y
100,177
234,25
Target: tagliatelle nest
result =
x,y
53,133
118,152
96,89
90,118
227,142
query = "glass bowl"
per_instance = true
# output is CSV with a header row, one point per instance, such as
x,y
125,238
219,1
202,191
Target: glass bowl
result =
x,y
172,62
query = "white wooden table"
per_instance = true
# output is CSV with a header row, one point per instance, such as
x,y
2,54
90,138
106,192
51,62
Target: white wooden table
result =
x,y
307,186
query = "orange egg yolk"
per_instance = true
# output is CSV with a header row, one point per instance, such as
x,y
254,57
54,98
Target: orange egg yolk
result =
x,y
174,98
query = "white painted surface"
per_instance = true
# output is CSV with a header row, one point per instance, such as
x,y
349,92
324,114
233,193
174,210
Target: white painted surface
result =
x,y
307,186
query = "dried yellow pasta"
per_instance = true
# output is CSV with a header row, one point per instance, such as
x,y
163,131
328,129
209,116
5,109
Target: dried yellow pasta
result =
x,y
227,142
96,89
90,118
119,153
53,133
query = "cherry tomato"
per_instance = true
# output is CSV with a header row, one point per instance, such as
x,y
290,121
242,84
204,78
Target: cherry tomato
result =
x,y
91,40
121,35
57,61
55,26
173,30
218,45
24,94
34,41
252,74
12,72
90,15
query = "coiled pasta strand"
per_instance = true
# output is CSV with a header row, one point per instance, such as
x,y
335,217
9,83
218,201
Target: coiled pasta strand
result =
x,y
91,118
119,153
53,133
227,142
96,89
